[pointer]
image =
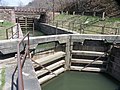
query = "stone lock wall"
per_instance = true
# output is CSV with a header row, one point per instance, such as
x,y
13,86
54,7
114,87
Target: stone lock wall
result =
x,y
52,30
114,63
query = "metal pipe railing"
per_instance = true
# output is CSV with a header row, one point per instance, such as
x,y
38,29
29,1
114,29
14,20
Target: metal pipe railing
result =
x,y
20,77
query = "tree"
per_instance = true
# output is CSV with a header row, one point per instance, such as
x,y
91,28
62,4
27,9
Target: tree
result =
x,y
20,3
3,3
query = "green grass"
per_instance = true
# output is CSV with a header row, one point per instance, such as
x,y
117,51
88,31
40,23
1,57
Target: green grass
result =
x,y
72,22
2,34
2,79
3,27
63,17
113,19
6,24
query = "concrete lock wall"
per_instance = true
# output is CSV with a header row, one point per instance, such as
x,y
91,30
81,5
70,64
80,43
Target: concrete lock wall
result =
x,y
80,42
91,45
114,63
52,30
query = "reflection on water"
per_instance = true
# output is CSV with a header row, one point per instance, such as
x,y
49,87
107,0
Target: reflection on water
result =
x,y
118,88
36,32
72,80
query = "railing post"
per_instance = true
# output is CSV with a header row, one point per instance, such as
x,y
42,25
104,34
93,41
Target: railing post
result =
x,y
56,28
118,31
26,25
7,33
33,30
69,26
62,24
103,28
18,30
12,32
28,45
73,26
80,28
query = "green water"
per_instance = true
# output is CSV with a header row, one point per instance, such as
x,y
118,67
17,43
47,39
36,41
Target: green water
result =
x,y
81,81
36,32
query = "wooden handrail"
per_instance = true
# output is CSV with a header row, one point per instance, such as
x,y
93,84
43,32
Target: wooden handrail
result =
x,y
10,28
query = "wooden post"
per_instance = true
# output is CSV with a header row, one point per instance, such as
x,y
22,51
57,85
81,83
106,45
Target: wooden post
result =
x,y
62,24
12,31
62,12
26,23
83,13
94,14
73,26
7,33
68,55
74,13
18,30
118,31
53,10
33,29
66,12
103,28
56,28
80,28
103,16
69,26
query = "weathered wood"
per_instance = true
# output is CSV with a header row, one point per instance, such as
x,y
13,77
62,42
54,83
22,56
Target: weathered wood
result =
x,y
50,58
88,53
92,69
87,61
50,67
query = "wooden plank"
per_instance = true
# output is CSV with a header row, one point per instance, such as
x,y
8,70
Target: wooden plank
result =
x,y
50,67
50,76
88,53
50,58
87,61
92,69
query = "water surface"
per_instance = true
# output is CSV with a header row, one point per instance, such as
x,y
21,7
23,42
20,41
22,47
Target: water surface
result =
x,y
72,80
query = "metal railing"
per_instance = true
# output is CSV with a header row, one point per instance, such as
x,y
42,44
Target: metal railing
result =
x,y
10,33
106,53
93,61
43,67
19,59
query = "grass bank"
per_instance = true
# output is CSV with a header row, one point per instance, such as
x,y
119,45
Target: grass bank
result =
x,y
3,27
88,24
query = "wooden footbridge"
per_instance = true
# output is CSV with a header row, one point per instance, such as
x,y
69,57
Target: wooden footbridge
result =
x,y
26,15
29,11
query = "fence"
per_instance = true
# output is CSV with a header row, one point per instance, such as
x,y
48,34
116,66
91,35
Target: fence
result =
x,y
87,28
10,32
